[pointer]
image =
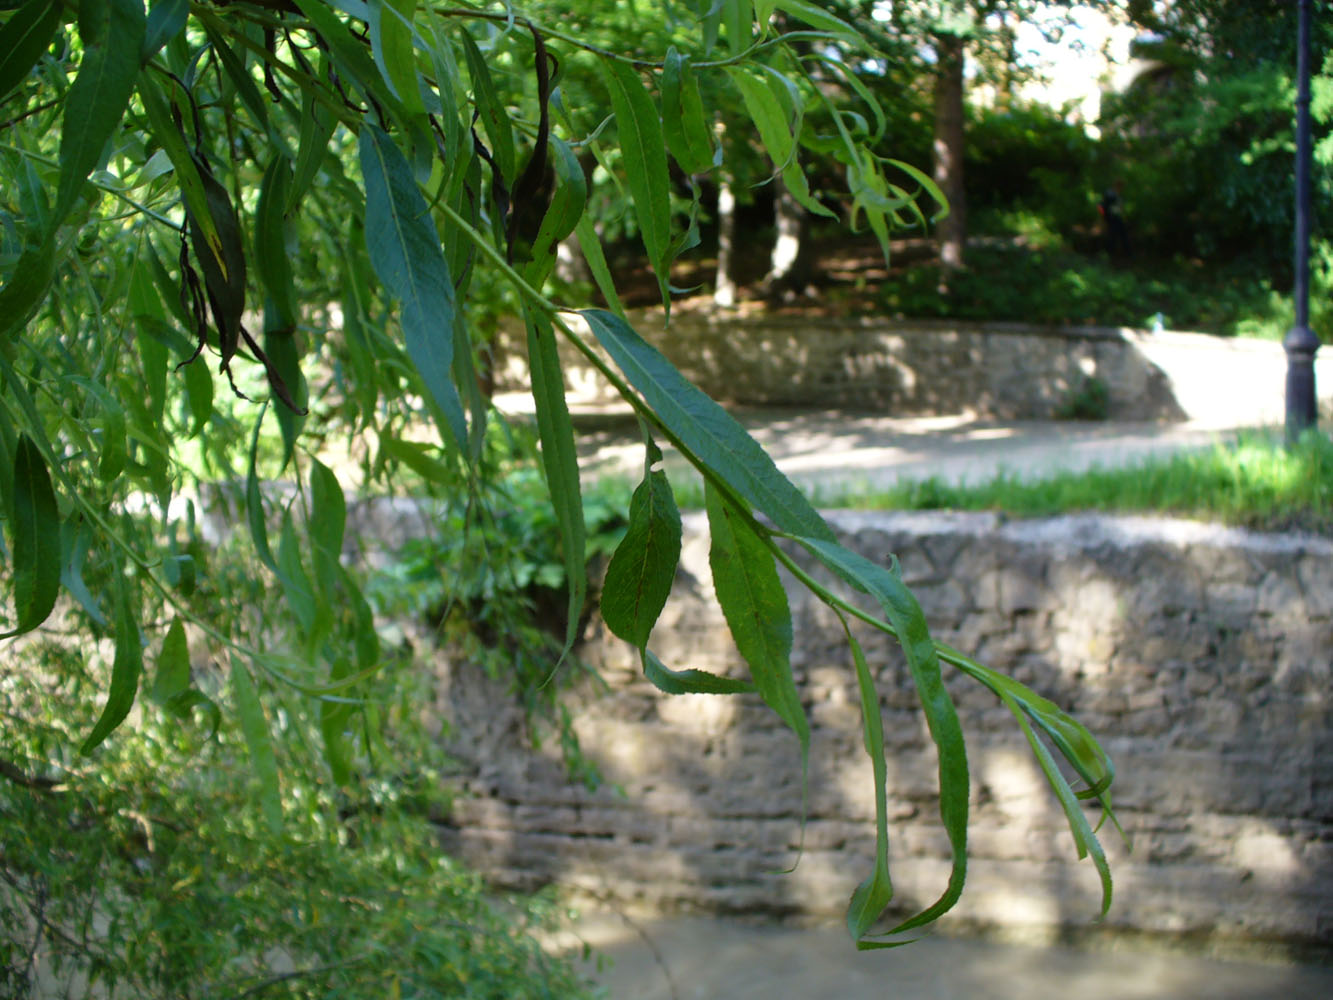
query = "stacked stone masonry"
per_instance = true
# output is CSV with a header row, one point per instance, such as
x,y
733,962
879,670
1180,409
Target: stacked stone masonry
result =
x,y
1006,371
1201,657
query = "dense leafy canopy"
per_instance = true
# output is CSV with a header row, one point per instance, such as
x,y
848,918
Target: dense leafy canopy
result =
x,y
330,202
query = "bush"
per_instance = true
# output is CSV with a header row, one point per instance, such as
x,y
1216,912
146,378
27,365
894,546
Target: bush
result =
x,y
157,871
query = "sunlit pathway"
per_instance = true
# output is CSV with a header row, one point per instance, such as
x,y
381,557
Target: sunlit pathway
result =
x,y
699,958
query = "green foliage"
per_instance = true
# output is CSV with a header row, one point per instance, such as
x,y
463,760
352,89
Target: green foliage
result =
x,y
1254,482
1033,276
147,875
335,202
1090,399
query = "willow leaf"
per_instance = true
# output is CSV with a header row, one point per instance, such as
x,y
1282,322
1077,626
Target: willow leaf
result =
x,y
273,243
405,252
23,40
112,33
738,17
591,245
160,111
754,602
671,681
258,742
234,66
819,18
643,148
254,501
909,625
416,456
705,429
560,462
683,123
494,118
166,20
26,288
35,541
126,667
328,520
317,126
568,202
871,898
1071,737
643,566
75,537
348,52
1085,840
172,677
391,47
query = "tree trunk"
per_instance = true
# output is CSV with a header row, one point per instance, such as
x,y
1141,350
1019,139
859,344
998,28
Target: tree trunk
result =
x,y
785,264
724,288
948,150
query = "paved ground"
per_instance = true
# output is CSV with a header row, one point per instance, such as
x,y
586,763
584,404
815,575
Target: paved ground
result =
x,y
698,958
828,450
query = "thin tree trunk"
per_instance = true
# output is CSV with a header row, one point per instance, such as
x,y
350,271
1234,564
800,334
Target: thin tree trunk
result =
x,y
948,150
724,288
785,263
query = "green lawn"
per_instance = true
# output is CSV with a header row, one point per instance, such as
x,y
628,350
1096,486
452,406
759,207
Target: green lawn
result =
x,y
1253,482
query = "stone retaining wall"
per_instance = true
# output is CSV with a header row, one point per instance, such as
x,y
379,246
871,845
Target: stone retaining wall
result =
x,y
903,367
1201,657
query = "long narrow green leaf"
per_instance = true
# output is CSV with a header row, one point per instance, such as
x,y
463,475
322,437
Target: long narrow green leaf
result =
x,y
754,602
74,539
494,118
1085,841
568,202
871,897
162,125
405,251
234,66
166,20
172,677
23,39
317,126
643,567
273,243
1070,736
909,624
328,519
767,113
391,47
707,430
819,18
560,462
310,610
26,288
643,149
112,33
417,457
349,54
126,667
689,681
591,245
333,716
254,500
683,123
738,16
35,540
259,743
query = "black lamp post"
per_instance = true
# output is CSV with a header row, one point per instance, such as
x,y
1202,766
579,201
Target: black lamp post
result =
x,y
1300,342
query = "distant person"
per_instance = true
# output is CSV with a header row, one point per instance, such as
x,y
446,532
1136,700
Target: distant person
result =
x,y
1117,233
